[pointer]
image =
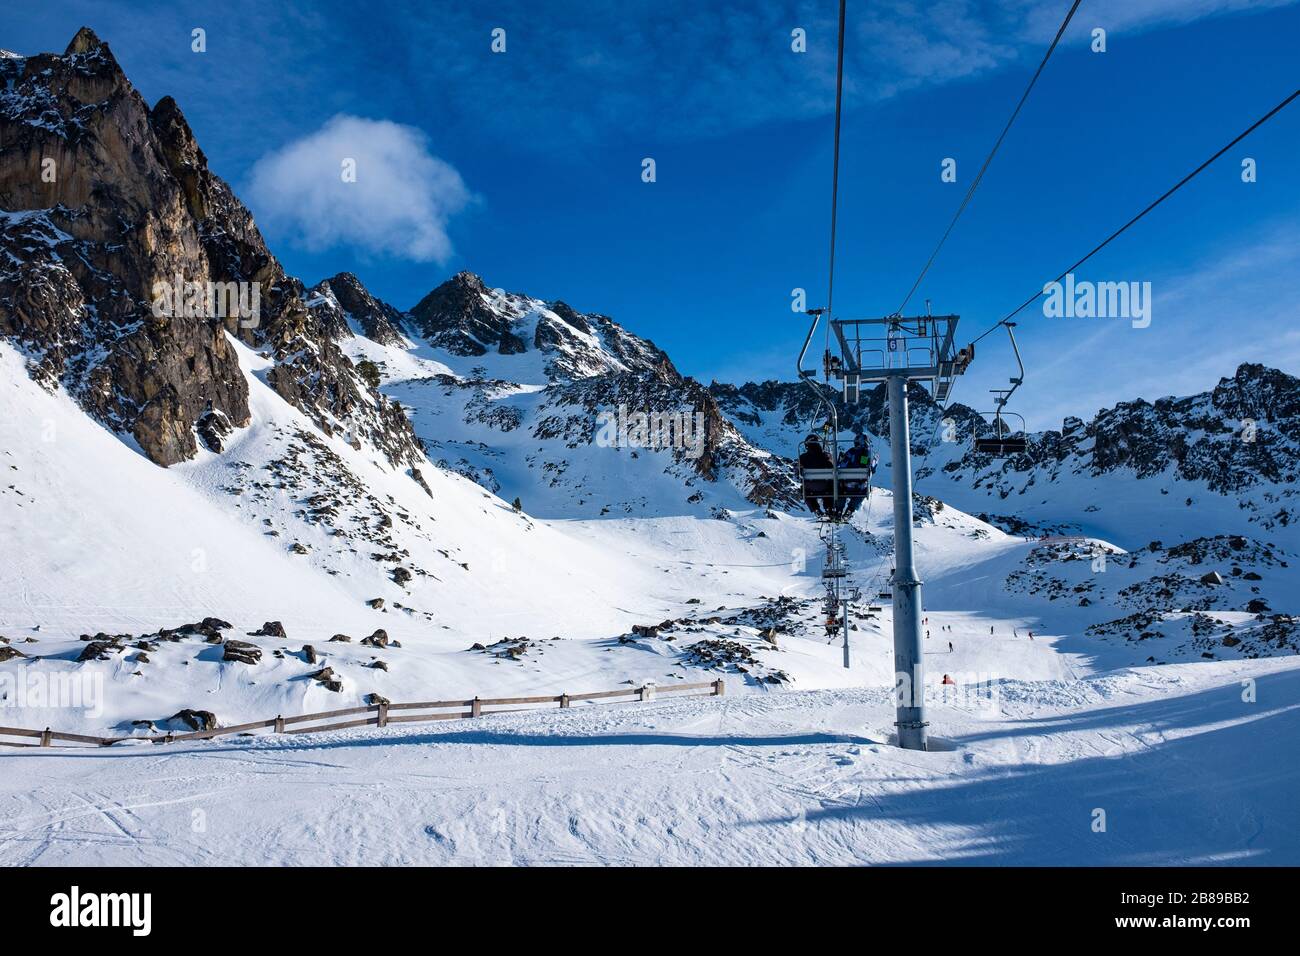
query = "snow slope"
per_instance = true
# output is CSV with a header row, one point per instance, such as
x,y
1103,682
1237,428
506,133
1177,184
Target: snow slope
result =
x,y
1183,769
793,766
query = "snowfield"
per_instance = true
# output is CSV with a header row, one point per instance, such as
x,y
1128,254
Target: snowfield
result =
x,y
1076,719
1184,771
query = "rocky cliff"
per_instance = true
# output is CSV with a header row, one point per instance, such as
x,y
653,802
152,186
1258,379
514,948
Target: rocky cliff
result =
x,y
124,260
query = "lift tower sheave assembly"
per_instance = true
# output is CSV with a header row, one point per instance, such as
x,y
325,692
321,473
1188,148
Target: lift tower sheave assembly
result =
x,y
897,350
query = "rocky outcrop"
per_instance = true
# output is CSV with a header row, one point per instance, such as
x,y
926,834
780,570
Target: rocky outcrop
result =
x,y
346,306
1240,439
466,318
195,719
126,267
241,652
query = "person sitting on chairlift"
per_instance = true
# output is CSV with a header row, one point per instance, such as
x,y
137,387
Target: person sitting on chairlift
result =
x,y
859,456
816,493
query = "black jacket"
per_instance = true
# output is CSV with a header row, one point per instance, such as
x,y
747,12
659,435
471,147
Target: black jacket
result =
x,y
815,457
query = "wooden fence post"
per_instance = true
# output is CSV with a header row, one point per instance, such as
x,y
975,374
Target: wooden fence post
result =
x,y
647,693
383,714
45,737
564,701
279,723
719,687
475,708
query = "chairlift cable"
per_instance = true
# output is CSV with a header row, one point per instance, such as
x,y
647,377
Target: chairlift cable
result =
x,y
970,193
1182,182
1124,228
835,167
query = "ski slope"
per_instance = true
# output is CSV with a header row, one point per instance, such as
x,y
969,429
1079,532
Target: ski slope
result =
x,y
1032,736
1184,770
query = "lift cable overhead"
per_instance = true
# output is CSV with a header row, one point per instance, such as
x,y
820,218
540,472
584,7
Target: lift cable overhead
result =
x,y
896,350
835,162
988,159
1124,228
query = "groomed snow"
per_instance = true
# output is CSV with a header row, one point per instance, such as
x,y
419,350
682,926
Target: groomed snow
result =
x,y
1036,736
1183,769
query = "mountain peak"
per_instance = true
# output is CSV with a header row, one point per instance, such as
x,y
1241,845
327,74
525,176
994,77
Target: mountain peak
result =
x,y
136,190
457,316
467,279
376,320
85,41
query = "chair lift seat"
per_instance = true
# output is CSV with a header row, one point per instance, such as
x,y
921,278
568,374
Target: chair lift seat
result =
x,y
845,474
821,483
1001,447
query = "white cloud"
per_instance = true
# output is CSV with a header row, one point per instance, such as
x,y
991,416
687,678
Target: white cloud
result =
x,y
399,204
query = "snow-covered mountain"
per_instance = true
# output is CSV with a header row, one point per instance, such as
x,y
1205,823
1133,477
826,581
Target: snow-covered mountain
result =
x,y
511,391
173,467
330,468
1225,460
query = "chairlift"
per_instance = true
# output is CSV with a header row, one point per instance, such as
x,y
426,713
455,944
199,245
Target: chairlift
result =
x,y
1004,442
829,492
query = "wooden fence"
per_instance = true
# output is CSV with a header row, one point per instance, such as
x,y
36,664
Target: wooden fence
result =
x,y
377,715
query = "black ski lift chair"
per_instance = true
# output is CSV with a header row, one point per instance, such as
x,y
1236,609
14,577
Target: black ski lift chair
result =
x,y
818,483
828,491
1004,442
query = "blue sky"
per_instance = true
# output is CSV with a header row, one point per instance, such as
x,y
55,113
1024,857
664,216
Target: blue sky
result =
x,y
526,166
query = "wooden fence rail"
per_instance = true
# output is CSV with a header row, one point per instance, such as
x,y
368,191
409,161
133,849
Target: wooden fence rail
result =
x,y
378,715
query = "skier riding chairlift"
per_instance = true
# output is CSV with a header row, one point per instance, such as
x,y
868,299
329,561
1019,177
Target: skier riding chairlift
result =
x,y
857,457
817,492
835,490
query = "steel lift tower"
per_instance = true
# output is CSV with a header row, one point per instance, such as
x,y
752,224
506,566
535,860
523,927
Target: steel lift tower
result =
x,y
897,350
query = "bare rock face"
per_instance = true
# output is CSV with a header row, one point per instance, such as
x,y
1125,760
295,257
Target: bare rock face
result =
x,y
114,220
195,719
342,298
86,249
464,317
241,652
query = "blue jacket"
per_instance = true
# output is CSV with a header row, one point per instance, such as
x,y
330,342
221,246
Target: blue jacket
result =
x,y
858,456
